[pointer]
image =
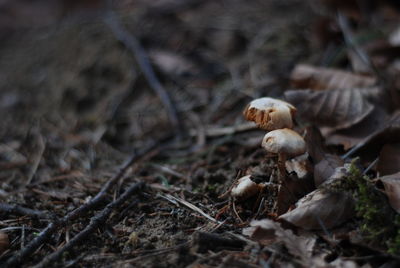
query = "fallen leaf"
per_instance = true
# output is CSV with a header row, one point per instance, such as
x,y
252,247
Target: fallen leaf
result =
x,y
355,134
325,162
388,132
389,159
324,169
267,231
321,209
292,190
391,184
339,108
319,78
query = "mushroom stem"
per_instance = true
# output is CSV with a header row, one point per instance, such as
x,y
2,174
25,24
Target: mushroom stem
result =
x,y
281,167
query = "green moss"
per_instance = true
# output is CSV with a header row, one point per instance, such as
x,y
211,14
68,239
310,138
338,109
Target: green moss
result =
x,y
379,224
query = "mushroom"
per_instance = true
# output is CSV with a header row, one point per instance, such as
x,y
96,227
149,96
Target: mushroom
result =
x,y
270,114
286,143
245,188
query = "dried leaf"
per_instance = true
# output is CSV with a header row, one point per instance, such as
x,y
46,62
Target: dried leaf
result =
x,y
357,133
266,231
391,184
340,108
319,78
298,183
325,163
292,190
371,145
389,159
321,209
324,169
315,143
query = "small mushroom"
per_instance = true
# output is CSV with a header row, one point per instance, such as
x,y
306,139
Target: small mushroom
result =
x,y
270,114
286,143
245,188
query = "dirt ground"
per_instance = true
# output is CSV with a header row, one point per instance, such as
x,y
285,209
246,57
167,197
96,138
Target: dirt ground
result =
x,y
76,106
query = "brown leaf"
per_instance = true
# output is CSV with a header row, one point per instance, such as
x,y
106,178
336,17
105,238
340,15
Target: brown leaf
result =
x,y
321,209
292,190
391,184
389,159
326,168
320,78
315,143
370,146
339,108
357,133
266,231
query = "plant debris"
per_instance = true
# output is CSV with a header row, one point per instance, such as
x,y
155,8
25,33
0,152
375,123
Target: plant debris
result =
x,y
125,141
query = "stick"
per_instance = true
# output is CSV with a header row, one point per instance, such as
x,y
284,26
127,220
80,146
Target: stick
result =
x,y
19,210
349,41
95,222
131,43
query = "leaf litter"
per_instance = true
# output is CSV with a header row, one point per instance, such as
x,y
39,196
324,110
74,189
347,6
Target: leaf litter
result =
x,y
73,123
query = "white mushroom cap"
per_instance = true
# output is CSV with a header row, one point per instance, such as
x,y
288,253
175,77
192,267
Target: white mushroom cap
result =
x,y
284,141
245,188
270,114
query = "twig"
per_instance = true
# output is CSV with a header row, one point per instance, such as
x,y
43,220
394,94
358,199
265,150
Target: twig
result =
x,y
170,171
349,40
189,205
19,210
202,242
95,223
47,233
131,43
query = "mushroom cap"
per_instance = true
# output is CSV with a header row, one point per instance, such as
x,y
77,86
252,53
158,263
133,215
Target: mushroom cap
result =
x,y
270,114
244,188
284,141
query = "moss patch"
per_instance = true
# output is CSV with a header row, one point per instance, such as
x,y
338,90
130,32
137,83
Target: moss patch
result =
x,y
379,224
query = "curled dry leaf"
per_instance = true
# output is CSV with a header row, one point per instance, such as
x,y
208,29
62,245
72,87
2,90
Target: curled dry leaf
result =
x,y
388,132
321,209
339,108
391,184
389,159
324,169
325,163
315,143
307,76
292,189
355,134
267,231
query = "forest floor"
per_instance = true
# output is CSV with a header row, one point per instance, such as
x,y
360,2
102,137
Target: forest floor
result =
x,y
84,120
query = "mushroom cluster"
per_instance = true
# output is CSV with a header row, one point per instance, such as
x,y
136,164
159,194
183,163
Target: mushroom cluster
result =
x,y
276,117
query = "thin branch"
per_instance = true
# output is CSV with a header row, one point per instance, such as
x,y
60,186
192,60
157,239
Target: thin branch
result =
x,y
95,222
48,232
131,43
189,205
350,42
19,210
